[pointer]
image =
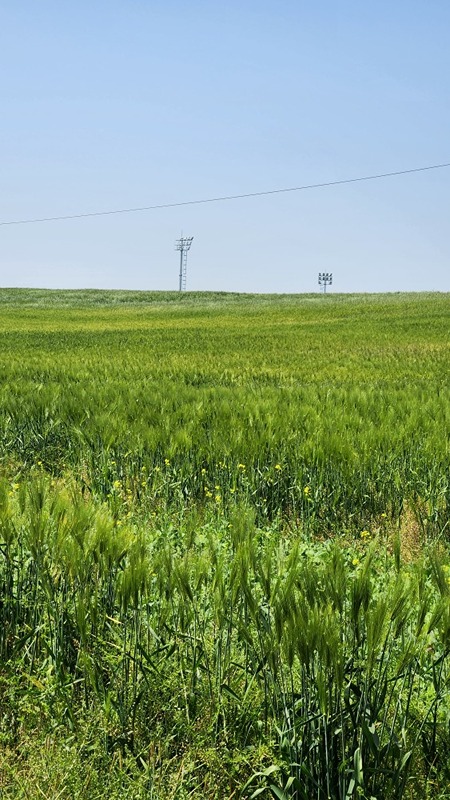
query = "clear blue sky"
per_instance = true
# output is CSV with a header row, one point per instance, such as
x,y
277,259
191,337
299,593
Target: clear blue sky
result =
x,y
115,104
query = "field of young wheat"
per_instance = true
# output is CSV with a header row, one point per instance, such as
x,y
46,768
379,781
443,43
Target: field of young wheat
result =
x,y
224,546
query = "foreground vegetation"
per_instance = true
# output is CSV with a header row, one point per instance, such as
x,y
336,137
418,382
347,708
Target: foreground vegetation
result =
x,y
224,545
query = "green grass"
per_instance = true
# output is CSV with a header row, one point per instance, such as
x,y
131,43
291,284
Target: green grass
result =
x,y
224,544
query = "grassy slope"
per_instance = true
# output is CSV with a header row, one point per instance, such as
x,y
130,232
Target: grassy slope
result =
x,y
349,395
324,385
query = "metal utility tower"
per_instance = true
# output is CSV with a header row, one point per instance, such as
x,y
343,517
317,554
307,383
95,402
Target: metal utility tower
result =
x,y
325,279
183,245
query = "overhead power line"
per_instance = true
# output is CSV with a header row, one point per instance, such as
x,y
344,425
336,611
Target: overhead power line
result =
x,y
223,198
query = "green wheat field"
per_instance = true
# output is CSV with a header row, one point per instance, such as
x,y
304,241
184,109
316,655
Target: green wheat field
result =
x,y
224,546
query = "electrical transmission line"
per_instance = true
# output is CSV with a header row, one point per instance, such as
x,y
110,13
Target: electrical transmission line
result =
x,y
223,198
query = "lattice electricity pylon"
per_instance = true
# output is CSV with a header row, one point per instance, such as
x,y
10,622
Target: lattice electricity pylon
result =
x,y
325,279
183,245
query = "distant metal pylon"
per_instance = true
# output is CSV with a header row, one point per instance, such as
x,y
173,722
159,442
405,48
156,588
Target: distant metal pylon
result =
x,y
325,279
183,245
